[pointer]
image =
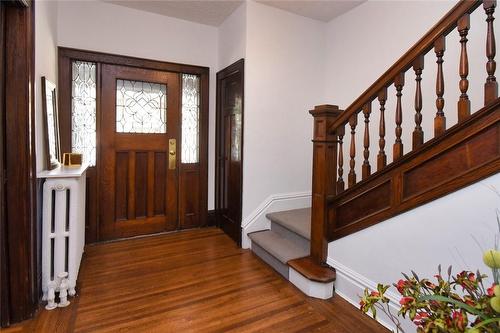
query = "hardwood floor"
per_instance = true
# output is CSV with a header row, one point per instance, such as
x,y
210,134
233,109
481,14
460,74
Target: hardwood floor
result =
x,y
191,281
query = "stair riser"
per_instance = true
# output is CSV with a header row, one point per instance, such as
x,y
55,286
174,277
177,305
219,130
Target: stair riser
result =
x,y
270,260
286,233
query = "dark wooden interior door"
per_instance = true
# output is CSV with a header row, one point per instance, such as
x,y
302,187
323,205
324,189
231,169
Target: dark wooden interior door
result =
x,y
139,134
230,149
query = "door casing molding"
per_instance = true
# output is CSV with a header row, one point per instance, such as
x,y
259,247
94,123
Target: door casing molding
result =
x,y
238,66
19,284
66,56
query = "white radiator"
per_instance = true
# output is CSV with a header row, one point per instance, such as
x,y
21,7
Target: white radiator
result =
x,y
63,225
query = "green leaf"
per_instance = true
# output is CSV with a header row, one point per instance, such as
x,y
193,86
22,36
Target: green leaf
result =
x,y
461,305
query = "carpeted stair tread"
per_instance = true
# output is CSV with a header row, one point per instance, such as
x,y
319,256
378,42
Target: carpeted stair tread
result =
x,y
281,248
296,220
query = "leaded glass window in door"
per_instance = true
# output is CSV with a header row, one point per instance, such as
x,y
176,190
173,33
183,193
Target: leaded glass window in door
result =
x,y
190,118
141,107
83,110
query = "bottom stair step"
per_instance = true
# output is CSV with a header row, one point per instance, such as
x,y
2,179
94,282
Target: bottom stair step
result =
x,y
281,248
276,250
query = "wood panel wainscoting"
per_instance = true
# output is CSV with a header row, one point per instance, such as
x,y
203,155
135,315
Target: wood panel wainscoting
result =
x,y
345,202
191,281
187,199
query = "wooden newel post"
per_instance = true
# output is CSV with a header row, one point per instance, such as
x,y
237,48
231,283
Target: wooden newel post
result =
x,y
324,174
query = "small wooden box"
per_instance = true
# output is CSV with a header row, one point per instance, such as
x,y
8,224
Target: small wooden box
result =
x,y
72,159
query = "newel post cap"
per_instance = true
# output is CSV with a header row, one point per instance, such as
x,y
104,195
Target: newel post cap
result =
x,y
325,110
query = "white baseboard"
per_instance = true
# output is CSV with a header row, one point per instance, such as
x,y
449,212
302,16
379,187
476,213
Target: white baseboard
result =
x,y
257,220
350,285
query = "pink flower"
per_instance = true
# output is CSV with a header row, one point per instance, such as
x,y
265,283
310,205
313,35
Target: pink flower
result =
x,y
490,290
375,294
405,300
459,319
400,286
420,318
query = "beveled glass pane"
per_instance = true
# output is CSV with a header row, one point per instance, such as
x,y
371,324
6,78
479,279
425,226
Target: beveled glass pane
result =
x,y
83,110
141,107
190,118
236,131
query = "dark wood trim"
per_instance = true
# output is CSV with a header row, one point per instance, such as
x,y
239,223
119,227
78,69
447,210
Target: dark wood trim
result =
x,y
464,154
211,218
309,268
115,59
324,173
4,277
19,263
66,56
238,66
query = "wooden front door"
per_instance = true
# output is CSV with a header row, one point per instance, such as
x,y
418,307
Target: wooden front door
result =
x,y
139,137
229,168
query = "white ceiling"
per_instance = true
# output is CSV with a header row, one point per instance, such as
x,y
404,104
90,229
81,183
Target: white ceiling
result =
x,y
214,12
206,12
322,10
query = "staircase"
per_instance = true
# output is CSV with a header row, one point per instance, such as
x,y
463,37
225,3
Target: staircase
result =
x,y
288,239
286,248
356,185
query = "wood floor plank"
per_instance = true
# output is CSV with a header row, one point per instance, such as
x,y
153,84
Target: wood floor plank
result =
x,y
190,281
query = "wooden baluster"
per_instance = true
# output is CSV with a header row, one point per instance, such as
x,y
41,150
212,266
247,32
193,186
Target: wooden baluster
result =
x,y
399,82
491,85
340,181
366,169
353,121
381,157
418,133
440,119
463,27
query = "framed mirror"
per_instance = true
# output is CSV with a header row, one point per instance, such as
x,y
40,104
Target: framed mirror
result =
x,y
51,122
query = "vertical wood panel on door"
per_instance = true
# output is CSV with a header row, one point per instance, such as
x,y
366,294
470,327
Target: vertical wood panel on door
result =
x,y
135,151
229,146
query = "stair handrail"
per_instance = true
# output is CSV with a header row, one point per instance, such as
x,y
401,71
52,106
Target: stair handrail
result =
x,y
421,47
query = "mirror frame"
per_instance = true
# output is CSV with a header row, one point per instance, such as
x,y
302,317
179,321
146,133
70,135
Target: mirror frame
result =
x,y
51,162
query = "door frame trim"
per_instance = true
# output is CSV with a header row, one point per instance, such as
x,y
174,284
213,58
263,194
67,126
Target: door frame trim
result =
x,y
66,55
238,66
19,288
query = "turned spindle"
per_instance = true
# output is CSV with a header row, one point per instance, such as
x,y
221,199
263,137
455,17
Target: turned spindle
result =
x,y
418,133
353,121
463,27
382,157
340,181
491,85
399,82
366,168
439,119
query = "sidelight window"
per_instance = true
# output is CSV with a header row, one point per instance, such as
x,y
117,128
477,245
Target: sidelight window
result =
x,y
190,118
83,110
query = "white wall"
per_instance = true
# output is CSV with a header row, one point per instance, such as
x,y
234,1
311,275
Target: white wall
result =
x,y
284,78
99,26
45,65
232,37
